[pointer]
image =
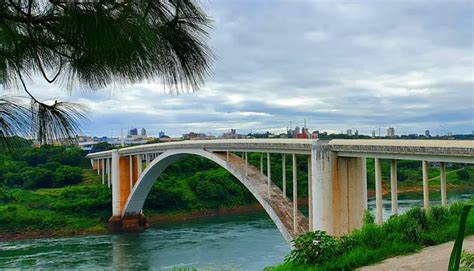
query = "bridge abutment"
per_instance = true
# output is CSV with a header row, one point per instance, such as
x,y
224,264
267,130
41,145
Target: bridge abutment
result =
x,y
339,191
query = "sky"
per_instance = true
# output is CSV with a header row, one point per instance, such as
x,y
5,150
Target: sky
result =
x,y
336,64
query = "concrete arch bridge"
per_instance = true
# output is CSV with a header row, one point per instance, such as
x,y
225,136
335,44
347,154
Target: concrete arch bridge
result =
x,y
337,178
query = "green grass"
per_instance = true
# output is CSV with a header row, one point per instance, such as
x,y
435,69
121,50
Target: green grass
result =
x,y
400,235
69,208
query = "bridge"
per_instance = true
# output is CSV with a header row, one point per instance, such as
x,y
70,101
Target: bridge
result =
x,y
337,177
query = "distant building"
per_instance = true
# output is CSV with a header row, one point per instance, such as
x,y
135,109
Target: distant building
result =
x,y
133,132
195,136
232,134
373,134
427,133
143,132
391,132
349,132
296,131
161,134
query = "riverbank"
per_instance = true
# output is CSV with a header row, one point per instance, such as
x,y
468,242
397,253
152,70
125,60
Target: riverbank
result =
x,y
156,219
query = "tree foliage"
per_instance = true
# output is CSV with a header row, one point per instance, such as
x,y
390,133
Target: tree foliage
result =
x,y
94,44
46,167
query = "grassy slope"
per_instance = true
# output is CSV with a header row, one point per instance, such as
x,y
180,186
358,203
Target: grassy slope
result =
x,y
84,207
398,236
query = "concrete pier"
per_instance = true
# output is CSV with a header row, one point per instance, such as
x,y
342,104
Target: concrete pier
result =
x,y
394,186
378,192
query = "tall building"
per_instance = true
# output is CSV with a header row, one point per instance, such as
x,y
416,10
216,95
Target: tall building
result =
x,y
391,132
373,134
143,132
349,132
133,132
427,133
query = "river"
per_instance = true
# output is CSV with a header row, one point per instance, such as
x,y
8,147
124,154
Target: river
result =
x,y
240,242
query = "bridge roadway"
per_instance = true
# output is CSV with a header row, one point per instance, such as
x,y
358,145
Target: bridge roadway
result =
x,y
461,151
337,175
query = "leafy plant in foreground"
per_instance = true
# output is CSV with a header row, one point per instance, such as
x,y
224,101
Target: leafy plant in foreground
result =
x,y
313,248
467,260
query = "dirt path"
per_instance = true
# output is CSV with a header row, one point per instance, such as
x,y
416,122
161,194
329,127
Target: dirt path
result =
x,y
430,258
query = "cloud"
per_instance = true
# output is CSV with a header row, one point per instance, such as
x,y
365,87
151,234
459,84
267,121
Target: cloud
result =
x,y
338,65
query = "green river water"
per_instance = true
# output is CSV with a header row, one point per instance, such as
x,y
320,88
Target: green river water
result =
x,y
241,242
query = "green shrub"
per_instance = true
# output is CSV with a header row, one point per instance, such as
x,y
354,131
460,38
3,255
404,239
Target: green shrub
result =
x,y
368,217
463,174
67,175
346,243
313,248
371,235
418,216
467,260
438,214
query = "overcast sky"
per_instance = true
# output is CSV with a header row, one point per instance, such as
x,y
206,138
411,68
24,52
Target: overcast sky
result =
x,y
339,65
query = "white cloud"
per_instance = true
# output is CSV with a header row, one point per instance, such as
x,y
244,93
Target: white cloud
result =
x,y
339,65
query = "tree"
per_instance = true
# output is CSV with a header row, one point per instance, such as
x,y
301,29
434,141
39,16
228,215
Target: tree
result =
x,y
463,174
94,44
67,175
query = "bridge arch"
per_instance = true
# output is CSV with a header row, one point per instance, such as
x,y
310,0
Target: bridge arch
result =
x,y
152,172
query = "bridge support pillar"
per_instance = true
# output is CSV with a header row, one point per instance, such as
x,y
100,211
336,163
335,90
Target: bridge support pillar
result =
x,y
442,177
339,191
123,174
426,189
393,186
378,191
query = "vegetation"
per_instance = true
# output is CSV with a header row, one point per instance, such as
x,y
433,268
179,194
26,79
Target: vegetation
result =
x,y
69,208
399,235
93,44
45,167
467,261
53,188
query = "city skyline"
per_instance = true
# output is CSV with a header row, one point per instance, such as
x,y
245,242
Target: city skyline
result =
x,y
362,73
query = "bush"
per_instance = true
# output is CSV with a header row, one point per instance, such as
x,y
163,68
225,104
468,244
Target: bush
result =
x,y
371,235
313,248
67,175
438,214
368,217
467,260
462,174
35,177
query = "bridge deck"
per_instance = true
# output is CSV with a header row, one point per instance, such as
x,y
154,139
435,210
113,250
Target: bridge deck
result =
x,y
281,205
431,150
